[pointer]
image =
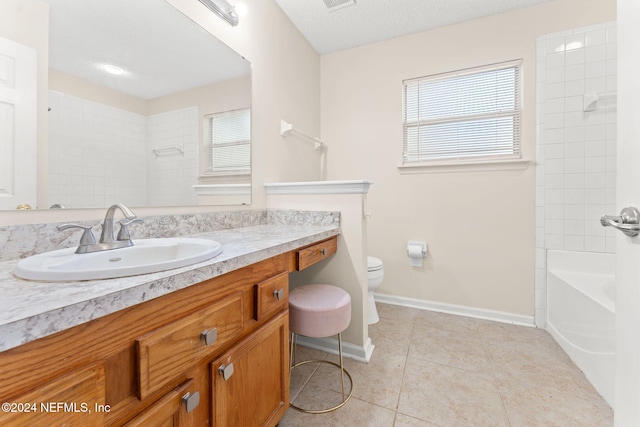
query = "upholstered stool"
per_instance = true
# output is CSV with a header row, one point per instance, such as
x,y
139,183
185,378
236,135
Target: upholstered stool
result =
x,y
319,311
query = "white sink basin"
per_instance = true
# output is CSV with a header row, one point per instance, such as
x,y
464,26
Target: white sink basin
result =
x,y
145,256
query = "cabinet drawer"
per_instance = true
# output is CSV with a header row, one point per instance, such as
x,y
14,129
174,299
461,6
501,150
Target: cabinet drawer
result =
x,y
311,254
170,411
167,352
271,295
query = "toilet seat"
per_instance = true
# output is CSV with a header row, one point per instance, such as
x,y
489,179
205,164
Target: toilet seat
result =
x,y
374,264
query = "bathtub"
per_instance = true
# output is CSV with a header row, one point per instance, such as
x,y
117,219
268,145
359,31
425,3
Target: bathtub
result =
x,y
581,313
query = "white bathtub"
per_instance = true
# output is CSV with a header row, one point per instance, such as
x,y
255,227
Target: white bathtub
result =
x,y
581,313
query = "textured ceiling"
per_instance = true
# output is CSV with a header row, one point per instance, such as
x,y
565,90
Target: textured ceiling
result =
x,y
161,50
370,21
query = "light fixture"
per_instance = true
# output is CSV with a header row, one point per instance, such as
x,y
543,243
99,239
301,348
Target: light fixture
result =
x,y
113,69
241,9
223,9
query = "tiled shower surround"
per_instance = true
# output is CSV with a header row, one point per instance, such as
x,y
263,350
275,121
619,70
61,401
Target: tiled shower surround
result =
x,y
100,155
576,149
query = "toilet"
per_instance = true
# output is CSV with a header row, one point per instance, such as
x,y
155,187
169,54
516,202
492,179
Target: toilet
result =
x,y
375,274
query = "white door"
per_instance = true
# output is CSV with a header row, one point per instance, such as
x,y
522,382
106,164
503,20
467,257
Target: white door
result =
x,y
627,398
18,124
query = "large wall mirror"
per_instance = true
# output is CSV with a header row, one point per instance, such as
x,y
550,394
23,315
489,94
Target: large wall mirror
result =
x,y
146,108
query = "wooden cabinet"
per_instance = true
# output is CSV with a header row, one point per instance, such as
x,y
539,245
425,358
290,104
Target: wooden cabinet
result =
x,y
74,399
271,295
309,255
175,409
162,362
165,352
250,382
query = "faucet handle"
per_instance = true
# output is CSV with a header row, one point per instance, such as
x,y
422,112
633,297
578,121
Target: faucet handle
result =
x,y
87,237
123,233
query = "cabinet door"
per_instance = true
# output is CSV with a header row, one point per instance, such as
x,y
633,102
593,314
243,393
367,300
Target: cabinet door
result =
x,y
250,383
175,409
75,399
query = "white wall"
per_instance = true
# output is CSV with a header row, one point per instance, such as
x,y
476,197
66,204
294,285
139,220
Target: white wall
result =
x,y
480,226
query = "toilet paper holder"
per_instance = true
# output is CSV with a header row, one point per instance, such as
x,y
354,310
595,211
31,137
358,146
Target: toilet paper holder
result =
x,y
411,245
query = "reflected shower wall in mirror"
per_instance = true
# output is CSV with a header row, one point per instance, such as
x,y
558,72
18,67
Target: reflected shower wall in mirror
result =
x,y
131,87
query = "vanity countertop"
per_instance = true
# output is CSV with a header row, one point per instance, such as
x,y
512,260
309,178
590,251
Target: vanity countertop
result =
x,y
30,310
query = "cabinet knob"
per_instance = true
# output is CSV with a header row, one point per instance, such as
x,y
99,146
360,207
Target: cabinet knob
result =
x,y
191,401
209,336
226,371
278,294
323,251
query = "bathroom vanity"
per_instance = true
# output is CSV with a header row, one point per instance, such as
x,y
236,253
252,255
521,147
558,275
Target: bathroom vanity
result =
x,y
213,349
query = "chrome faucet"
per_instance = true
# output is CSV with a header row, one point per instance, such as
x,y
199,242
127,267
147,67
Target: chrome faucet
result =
x,y
107,236
107,239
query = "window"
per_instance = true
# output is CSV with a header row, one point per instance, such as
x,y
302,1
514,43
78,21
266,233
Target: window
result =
x,y
229,143
465,115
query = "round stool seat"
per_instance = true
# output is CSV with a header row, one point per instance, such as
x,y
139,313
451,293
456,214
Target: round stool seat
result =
x,y
319,310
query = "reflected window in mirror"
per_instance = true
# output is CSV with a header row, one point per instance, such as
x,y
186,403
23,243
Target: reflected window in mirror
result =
x,y
228,143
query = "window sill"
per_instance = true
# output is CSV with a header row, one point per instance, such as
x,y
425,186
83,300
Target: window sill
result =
x,y
222,189
471,166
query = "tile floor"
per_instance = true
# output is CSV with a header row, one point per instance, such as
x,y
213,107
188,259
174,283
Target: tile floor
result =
x,y
434,369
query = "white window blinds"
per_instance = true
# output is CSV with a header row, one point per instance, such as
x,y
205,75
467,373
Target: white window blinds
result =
x,y
230,142
464,115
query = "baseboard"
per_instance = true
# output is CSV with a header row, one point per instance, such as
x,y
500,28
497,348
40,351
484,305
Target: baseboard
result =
x,y
330,345
479,313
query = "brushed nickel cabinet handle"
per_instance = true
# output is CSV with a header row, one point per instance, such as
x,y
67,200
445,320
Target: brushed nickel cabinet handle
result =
x,y
209,336
191,401
278,294
226,371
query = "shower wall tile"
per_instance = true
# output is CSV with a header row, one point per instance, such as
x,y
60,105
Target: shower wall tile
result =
x,y
576,179
171,175
100,155
94,149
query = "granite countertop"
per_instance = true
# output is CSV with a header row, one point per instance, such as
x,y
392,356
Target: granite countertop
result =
x,y
30,310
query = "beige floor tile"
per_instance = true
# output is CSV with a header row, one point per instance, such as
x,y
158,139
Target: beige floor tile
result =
x,y
516,369
317,395
355,413
302,374
435,369
462,350
391,336
450,396
407,421
446,321
543,407
499,331
376,382
396,312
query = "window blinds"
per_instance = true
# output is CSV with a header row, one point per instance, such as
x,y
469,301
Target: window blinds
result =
x,y
463,115
230,143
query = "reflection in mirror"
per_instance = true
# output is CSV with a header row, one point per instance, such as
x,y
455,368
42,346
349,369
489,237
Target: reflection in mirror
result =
x,y
134,87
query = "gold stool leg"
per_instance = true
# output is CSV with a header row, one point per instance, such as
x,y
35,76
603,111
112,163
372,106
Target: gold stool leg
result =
x,y
343,371
341,364
292,351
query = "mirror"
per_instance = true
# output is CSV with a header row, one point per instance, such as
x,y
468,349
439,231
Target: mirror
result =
x,y
136,92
